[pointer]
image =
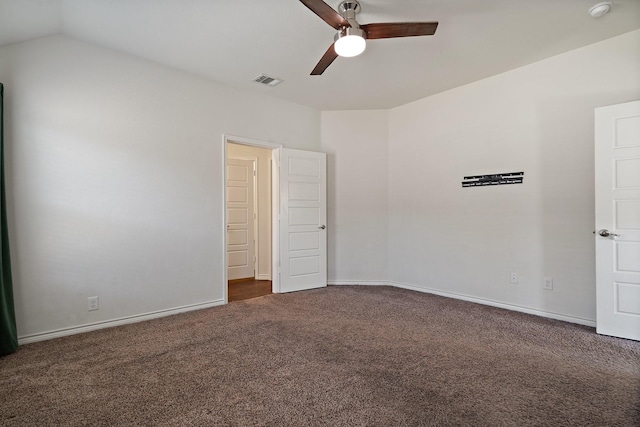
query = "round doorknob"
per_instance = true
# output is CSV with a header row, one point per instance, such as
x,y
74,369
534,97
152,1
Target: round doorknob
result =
x,y
605,233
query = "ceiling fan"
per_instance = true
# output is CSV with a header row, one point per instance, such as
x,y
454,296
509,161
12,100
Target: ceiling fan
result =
x,y
350,39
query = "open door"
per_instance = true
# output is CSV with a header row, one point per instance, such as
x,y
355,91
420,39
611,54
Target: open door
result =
x,y
303,220
617,171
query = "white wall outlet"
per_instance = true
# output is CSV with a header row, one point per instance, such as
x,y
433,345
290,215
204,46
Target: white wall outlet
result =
x,y
547,283
93,303
514,279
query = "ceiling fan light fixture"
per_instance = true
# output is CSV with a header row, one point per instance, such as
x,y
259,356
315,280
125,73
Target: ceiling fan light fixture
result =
x,y
351,37
350,42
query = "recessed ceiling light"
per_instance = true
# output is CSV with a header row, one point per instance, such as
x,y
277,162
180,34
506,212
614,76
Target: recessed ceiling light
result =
x,y
597,10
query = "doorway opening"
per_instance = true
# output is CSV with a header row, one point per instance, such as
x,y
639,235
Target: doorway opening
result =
x,y
250,198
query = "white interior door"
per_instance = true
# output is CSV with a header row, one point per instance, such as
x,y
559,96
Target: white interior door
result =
x,y
303,219
617,170
240,219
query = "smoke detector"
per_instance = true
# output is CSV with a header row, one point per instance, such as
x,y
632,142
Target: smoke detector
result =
x,y
600,9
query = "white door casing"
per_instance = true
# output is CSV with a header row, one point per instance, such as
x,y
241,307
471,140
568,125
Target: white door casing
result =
x,y
240,218
617,175
303,216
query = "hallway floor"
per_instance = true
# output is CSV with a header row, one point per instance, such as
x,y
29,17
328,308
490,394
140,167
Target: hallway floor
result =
x,y
241,289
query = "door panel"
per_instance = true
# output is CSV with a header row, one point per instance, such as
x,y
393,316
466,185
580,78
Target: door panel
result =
x,y
240,215
617,170
627,172
628,256
628,298
627,214
303,215
237,237
304,241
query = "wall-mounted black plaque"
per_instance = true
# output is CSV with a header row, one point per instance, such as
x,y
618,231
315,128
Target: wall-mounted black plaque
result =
x,y
493,179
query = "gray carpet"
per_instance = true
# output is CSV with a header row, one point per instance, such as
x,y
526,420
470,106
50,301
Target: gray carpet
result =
x,y
340,356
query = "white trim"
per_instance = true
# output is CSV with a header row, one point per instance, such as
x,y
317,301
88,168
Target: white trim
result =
x,y
358,282
225,262
275,218
263,276
484,301
57,333
169,312
548,314
249,141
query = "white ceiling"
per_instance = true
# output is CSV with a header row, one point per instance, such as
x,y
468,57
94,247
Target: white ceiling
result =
x,y
233,41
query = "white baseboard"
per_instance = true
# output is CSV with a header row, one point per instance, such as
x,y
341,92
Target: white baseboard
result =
x,y
263,277
548,314
115,322
162,313
358,282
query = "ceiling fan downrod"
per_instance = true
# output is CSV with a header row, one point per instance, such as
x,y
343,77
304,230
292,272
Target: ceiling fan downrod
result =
x,y
348,9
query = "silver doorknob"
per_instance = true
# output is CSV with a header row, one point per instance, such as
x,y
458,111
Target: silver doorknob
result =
x,y
322,227
605,233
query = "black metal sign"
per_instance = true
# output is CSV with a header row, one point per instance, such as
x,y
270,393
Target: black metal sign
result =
x,y
494,179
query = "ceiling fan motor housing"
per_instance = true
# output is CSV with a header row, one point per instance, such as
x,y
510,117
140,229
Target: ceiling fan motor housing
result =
x,y
349,7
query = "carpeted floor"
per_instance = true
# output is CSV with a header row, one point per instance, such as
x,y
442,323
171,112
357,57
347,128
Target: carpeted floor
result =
x,y
339,356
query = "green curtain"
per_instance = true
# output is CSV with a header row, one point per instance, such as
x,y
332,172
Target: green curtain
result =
x,y
8,332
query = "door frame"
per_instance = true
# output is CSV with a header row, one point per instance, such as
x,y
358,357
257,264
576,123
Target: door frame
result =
x,y
275,207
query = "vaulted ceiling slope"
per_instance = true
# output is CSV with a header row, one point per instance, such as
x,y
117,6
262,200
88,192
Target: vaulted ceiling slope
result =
x,y
233,42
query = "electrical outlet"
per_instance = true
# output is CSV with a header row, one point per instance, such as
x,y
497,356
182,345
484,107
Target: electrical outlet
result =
x,y
514,279
548,283
93,303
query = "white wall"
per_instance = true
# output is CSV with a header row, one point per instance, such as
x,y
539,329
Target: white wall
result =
x,y
115,182
262,156
537,119
356,147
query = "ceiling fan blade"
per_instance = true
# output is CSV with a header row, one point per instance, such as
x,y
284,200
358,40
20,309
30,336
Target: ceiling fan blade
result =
x,y
389,30
329,56
327,13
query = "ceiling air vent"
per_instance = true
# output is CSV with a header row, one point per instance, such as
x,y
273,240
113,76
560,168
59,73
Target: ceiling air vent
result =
x,y
266,80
